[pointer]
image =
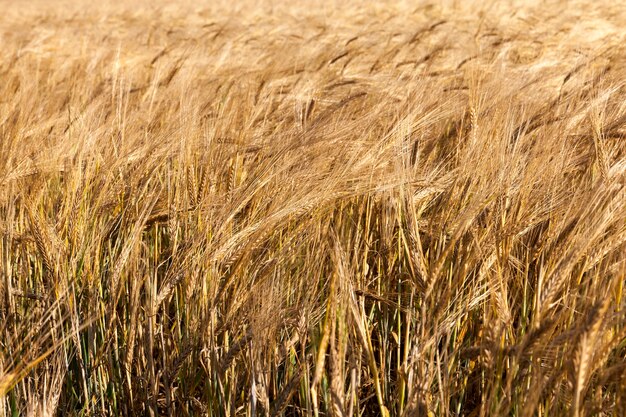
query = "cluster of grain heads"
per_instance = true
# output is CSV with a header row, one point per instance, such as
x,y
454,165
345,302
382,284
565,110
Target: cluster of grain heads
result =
x,y
421,212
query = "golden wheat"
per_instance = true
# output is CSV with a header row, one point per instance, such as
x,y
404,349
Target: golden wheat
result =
x,y
311,208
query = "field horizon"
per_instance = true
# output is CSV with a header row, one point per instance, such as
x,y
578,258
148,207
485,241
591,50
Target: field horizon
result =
x,y
342,209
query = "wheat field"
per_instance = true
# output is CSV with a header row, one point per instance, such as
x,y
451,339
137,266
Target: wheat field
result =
x,y
340,208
